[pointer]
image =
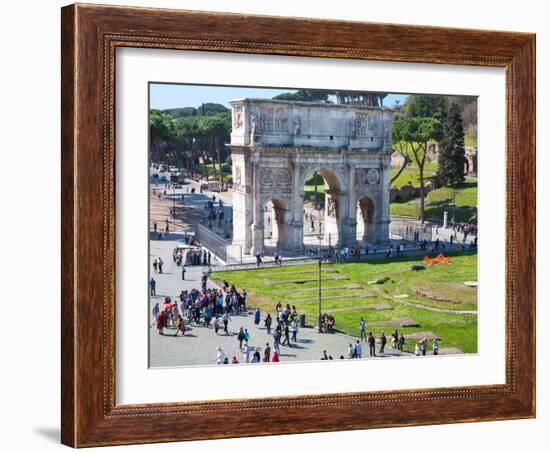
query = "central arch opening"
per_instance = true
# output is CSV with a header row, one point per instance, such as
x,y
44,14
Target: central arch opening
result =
x,y
365,219
274,225
321,209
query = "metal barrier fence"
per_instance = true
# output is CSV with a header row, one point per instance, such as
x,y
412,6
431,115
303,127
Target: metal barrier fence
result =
x,y
313,245
411,233
211,241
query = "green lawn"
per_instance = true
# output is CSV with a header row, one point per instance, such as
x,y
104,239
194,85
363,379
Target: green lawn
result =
x,y
227,175
470,141
417,289
410,174
463,197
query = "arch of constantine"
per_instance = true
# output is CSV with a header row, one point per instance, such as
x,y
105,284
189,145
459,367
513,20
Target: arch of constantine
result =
x,y
277,145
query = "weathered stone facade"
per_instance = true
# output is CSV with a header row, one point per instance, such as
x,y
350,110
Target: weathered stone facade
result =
x,y
277,145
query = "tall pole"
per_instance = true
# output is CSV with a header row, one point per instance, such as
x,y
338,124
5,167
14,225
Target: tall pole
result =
x,y
320,263
173,201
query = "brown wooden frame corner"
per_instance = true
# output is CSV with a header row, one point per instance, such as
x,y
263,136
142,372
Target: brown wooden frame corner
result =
x,y
90,36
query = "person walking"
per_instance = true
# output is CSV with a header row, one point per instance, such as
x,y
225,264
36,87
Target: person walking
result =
x,y
394,339
240,337
225,320
153,287
220,355
155,265
246,336
372,345
383,341
160,264
363,329
435,346
358,351
217,325
401,342
277,340
180,326
267,322
294,329
424,346
247,353
286,340
183,270
267,353
161,318
257,315
155,312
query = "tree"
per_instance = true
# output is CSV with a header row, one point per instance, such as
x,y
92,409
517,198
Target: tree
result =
x,y
362,98
416,133
211,109
187,134
400,147
216,129
305,95
451,149
180,112
161,133
425,107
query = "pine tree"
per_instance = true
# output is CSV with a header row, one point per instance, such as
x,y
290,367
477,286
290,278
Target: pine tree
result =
x,y
451,157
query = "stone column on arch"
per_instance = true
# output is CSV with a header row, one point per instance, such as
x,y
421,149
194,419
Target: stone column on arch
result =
x,y
349,219
382,217
242,199
257,227
294,218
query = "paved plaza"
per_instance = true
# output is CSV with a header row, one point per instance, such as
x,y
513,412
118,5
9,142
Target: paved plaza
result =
x,y
198,346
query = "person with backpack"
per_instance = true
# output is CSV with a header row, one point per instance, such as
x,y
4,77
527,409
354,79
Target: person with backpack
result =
x,y
240,337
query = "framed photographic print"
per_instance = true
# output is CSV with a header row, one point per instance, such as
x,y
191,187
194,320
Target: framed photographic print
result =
x,y
290,225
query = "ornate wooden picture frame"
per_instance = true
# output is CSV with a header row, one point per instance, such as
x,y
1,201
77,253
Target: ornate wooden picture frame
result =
x,y
90,37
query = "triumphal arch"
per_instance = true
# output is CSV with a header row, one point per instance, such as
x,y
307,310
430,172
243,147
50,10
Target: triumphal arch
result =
x,y
277,145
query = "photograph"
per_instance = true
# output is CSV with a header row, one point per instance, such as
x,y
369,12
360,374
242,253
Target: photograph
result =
x,y
291,225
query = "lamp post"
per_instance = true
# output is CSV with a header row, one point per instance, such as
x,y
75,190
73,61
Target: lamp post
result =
x,y
320,268
174,200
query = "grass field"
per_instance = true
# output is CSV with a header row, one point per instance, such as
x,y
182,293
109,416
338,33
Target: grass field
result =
x,y
463,197
410,174
435,298
227,177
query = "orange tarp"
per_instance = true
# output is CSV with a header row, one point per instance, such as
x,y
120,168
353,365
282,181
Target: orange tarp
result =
x,y
440,259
